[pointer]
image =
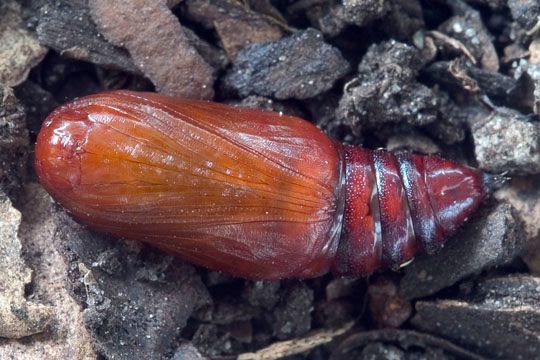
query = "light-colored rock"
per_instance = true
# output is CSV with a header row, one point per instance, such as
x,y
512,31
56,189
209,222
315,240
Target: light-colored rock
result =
x,y
66,337
158,45
19,50
18,317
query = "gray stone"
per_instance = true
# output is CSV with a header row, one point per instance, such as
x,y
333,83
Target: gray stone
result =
x,y
235,24
264,294
492,238
506,142
525,12
300,66
292,318
386,91
137,299
500,321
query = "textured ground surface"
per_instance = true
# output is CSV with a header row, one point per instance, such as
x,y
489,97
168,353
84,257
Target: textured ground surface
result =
x,y
455,77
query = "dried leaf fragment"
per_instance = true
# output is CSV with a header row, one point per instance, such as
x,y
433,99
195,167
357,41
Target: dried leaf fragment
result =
x,y
296,346
158,45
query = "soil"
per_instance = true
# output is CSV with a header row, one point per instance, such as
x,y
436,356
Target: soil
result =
x,y
460,78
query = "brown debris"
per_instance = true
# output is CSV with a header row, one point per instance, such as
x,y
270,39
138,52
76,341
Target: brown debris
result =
x,y
158,45
505,141
19,50
493,238
236,25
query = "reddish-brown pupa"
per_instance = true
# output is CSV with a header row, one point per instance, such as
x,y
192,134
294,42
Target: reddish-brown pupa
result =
x,y
246,191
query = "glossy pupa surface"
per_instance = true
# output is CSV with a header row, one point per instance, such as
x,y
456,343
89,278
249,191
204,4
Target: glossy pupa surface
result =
x,y
249,192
